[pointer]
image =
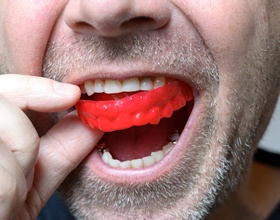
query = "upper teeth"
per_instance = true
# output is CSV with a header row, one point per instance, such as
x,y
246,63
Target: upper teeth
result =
x,y
129,85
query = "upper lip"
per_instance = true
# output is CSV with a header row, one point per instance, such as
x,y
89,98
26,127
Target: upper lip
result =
x,y
79,79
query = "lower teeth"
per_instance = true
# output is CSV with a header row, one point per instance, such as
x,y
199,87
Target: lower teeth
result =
x,y
141,162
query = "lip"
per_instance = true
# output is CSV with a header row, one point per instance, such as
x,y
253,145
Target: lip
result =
x,y
155,171
137,175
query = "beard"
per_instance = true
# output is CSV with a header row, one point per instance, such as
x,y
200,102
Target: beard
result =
x,y
188,191
218,155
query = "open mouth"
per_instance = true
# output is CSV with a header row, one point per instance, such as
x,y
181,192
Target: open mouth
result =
x,y
142,117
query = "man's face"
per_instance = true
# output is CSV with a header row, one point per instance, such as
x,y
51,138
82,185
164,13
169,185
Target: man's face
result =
x,y
226,51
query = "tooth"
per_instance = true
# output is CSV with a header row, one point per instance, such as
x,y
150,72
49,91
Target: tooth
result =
x,y
146,84
167,148
137,163
131,85
89,87
149,160
158,155
145,161
98,86
112,86
159,81
125,164
175,137
114,163
106,157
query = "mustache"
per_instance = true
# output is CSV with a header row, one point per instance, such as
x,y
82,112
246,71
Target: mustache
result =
x,y
174,54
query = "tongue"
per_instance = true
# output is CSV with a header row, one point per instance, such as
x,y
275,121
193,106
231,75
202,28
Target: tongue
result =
x,y
140,141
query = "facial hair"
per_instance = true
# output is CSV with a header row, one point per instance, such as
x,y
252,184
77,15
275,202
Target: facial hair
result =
x,y
133,199
212,166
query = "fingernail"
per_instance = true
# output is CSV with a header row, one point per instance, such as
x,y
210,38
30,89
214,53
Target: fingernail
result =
x,y
65,88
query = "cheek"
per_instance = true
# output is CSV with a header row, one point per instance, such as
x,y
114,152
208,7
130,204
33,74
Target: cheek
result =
x,y
26,26
226,26
233,31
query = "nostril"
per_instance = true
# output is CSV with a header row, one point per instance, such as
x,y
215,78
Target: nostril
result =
x,y
114,18
82,26
137,22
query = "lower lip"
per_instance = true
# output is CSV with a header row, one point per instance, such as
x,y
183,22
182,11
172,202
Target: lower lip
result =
x,y
146,174
150,173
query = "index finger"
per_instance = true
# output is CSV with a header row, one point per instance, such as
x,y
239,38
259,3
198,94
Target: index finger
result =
x,y
38,93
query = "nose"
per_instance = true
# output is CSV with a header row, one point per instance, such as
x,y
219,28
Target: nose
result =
x,y
113,18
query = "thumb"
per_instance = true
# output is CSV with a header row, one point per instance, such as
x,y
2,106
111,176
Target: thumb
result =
x,y
61,150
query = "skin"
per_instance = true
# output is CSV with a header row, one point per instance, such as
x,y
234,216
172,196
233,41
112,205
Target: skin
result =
x,y
231,57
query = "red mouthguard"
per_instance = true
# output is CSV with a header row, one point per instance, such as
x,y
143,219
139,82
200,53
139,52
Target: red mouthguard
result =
x,y
142,108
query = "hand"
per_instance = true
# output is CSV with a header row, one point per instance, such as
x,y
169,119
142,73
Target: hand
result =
x,y
31,168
